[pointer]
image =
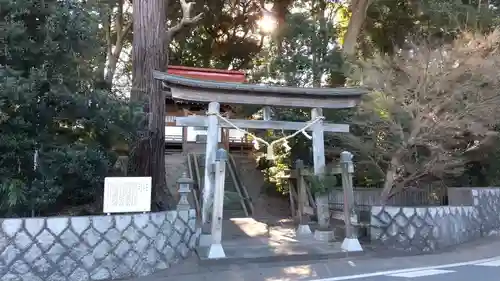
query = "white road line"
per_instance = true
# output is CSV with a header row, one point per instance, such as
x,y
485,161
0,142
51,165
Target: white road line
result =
x,y
389,272
421,273
494,263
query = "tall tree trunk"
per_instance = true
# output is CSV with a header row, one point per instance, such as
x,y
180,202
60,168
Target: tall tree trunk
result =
x,y
150,53
358,10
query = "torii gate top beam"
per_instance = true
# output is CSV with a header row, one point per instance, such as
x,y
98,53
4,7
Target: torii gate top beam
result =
x,y
237,93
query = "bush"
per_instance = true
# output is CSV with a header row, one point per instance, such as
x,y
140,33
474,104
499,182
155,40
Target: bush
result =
x,y
51,111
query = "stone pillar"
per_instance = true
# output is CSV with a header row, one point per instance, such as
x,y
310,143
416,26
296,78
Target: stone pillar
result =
x,y
216,251
323,233
184,185
303,230
351,242
211,149
212,143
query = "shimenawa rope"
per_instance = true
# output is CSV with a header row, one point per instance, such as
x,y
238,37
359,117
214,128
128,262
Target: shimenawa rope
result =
x,y
270,146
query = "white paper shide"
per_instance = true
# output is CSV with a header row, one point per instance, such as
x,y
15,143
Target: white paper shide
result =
x,y
127,194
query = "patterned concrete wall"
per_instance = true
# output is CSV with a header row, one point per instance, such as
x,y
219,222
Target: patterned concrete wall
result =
x,y
423,229
427,229
96,247
487,203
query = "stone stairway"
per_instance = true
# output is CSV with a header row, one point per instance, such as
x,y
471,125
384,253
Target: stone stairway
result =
x,y
233,200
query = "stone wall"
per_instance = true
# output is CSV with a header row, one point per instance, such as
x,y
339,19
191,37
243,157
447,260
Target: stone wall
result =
x,y
425,229
487,203
94,247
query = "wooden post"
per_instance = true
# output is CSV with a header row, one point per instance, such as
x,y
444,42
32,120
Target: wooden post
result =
x,y
211,149
266,113
184,135
322,233
303,229
293,211
351,242
225,134
216,251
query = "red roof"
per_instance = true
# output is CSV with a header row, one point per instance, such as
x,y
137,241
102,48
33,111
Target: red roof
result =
x,y
219,75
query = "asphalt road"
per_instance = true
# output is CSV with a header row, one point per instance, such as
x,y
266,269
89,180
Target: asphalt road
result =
x,y
473,261
481,270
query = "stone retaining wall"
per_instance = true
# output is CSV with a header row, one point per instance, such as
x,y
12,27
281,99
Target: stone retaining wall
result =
x,y
426,229
94,247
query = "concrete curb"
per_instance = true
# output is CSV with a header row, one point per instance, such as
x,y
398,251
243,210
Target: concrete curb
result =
x,y
370,252
299,257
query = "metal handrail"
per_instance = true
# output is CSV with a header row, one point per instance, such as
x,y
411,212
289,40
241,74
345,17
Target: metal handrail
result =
x,y
238,188
242,188
195,192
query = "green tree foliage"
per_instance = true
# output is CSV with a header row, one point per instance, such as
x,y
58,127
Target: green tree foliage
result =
x,y
391,23
50,111
432,111
227,37
307,52
389,26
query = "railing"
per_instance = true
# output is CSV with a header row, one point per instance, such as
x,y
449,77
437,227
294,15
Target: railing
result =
x,y
246,139
232,140
177,133
364,198
233,174
194,173
173,138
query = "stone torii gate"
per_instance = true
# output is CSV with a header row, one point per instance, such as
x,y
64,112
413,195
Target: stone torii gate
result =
x,y
215,93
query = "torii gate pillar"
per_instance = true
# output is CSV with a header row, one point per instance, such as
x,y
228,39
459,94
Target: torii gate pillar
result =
x,y
323,233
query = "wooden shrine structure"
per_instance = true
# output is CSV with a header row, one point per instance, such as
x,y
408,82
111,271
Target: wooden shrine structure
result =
x,y
181,137
220,94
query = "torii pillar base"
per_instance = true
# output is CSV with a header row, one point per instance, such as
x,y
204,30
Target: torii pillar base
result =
x,y
216,252
303,231
351,245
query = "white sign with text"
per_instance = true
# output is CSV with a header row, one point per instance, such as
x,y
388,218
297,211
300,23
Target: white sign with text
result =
x,y
127,194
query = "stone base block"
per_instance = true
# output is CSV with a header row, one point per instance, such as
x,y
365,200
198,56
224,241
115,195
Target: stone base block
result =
x,y
351,245
324,235
216,252
303,230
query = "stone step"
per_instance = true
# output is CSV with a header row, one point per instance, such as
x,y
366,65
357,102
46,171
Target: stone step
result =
x,y
256,240
253,250
233,209
231,214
